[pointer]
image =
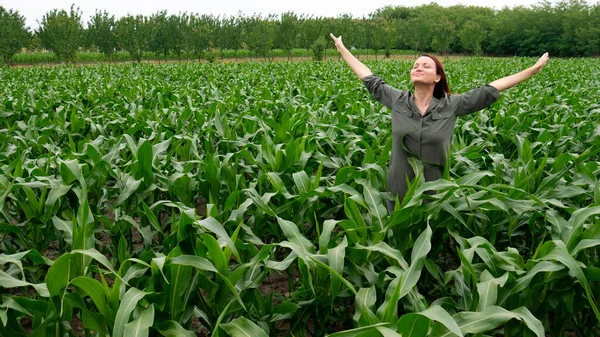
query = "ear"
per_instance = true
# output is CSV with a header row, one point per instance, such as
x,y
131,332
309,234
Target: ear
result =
x,y
438,78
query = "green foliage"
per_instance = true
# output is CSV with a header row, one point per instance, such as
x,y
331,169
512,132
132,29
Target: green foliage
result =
x,y
571,28
288,32
162,199
318,49
165,34
101,33
14,34
134,34
260,35
471,36
62,32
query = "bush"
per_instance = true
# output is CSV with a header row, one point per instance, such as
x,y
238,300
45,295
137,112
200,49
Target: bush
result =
x,y
318,49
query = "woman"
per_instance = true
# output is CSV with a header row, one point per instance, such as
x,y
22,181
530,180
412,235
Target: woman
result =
x,y
423,120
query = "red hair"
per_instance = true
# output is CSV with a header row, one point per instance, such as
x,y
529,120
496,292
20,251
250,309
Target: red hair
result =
x,y
441,88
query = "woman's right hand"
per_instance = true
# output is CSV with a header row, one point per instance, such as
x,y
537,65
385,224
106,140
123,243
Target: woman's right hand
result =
x,y
338,42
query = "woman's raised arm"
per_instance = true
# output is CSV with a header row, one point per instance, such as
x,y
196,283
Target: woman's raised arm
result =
x,y
512,80
359,69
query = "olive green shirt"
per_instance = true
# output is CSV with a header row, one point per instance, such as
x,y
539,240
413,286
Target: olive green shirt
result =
x,y
426,136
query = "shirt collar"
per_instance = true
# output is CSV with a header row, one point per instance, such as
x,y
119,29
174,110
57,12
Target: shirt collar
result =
x,y
432,105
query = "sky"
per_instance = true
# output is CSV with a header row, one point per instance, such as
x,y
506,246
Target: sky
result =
x,y
34,10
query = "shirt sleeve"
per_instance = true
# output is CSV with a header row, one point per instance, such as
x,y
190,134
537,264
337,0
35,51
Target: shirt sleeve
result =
x,y
382,92
476,99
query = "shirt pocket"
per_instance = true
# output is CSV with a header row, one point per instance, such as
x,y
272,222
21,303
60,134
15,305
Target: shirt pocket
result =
x,y
441,122
405,111
402,119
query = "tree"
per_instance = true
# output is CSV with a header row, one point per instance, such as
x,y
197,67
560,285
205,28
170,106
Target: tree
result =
x,y
318,49
389,35
229,33
312,29
287,32
62,33
260,35
443,31
508,30
593,31
133,35
13,34
101,33
177,26
374,35
160,41
471,36
575,39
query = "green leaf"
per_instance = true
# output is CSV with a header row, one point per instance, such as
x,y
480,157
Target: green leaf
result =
x,y
302,181
64,226
242,327
194,261
376,207
128,186
438,314
126,307
94,289
413,325
336,262
174,329
388,310
523,282
336,274
490,319
325,236
140,327
370,330
292,233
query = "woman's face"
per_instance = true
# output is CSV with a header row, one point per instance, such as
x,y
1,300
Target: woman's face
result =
x,y
424,71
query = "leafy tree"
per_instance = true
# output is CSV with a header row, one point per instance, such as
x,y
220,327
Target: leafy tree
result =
x,y
101,33
229,33
62,32
260,35
288,32
443,32
417,33
161,34
471,36
13,34
374,35
133,35
176,28
508,30
576,33
318,49
312,28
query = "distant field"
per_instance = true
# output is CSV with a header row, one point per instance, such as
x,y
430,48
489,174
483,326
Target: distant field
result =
x,y
196,199
32,58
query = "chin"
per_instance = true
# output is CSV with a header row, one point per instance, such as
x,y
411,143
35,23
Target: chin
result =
x,y
419,80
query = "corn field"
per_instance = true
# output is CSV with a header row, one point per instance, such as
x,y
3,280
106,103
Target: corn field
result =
x,y
248,199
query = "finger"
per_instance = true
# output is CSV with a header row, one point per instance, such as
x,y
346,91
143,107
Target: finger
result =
x,y
332,36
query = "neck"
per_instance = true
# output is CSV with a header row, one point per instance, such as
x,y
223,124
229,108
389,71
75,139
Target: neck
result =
x,y
423,94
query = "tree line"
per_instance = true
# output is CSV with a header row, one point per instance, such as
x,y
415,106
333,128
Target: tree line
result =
x,y
564,28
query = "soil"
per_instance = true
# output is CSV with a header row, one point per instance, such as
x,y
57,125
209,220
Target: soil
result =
x,y
52,252
77,326
277,283
201,207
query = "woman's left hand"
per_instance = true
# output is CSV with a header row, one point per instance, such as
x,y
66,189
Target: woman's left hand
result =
x,y
540,63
